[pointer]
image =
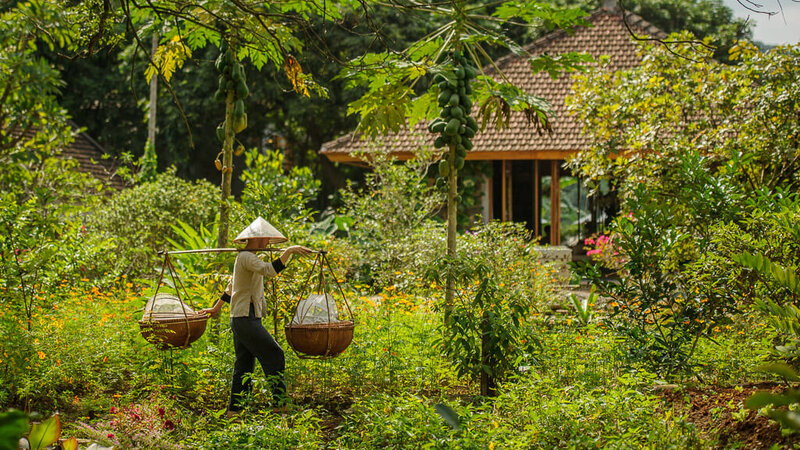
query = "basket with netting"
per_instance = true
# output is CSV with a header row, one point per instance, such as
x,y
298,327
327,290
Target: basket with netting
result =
x,y
317,329
169,322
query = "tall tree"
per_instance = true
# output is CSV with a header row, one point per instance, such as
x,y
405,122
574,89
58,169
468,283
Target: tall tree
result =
x,y
442,75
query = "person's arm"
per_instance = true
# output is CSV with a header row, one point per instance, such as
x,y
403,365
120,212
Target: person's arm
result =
x,y
255,264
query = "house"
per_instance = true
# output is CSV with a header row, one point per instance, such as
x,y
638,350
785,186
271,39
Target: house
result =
x,y
528,176
91,158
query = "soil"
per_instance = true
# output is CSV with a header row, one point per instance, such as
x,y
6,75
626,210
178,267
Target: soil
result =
x,y
712,409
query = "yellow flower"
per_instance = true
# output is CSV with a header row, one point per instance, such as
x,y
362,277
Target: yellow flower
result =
x,y
41,354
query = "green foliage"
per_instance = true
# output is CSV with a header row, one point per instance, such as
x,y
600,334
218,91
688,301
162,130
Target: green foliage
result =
x,y
45,434
780,407
391,102
391,214
501,282
269,431
32,124
13,424
644,120
279,195
661,305
140,219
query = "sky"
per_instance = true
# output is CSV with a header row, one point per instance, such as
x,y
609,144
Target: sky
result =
x,y
781,28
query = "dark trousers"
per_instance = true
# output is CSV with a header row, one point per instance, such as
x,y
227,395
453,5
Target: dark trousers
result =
x,y
252,341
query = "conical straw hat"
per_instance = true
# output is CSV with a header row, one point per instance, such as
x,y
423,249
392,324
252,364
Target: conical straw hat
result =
x,y
260,228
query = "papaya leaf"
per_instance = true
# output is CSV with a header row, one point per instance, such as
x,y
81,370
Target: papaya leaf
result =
x,y
449,415
45,433
563,63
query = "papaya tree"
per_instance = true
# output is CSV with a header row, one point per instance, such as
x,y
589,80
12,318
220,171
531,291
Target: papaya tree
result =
x,y
259,33
441,76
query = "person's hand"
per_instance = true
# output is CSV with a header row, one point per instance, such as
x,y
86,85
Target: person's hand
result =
x,y
299,250
213,312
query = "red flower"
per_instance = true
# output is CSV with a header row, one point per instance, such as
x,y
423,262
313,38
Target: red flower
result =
x,y
110,435
161,412
169,425
113,410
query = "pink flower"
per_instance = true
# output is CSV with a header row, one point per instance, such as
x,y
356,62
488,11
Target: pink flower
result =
x,y
588,241
136,417
592,252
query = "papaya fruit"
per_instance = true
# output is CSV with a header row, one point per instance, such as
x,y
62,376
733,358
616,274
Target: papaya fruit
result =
x,y
452,127
439,142
454,100
456,112
472,123
238,108
445,112
219,96
467,143
444,168
221,132
458,163
242,92
469,132
240,123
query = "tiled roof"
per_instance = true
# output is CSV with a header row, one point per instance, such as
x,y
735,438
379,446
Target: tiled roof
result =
x,y
90,157
607,35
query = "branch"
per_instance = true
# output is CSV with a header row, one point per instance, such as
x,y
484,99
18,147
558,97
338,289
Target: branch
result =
x,y
139,43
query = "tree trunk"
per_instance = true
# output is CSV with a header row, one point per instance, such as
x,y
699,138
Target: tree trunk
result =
x,y
227,171
151,124
452,223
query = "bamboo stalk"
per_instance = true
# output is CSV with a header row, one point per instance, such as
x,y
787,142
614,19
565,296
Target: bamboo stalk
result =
x,y
230,250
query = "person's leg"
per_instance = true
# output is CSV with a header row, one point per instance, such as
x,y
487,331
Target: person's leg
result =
x,y
264,347
243,366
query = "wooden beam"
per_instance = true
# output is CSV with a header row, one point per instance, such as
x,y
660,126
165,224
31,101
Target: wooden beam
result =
x,y
503,216
533,155
537,214
555,204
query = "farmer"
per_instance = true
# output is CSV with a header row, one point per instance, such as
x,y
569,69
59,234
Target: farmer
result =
x,y
245,293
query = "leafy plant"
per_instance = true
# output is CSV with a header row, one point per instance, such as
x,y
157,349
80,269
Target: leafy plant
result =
x,y
140,219
281,196
483,331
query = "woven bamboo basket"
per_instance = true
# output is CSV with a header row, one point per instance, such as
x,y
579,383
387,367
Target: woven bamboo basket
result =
x,y
320,339
173,332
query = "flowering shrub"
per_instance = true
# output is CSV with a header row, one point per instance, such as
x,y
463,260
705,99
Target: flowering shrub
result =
x,y
136,426
602,249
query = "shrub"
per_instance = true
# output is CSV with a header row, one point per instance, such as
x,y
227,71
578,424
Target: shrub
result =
x,y
500,283
140,219
391,219
281,196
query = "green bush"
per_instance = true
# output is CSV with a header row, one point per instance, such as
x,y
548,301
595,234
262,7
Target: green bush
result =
x,y
280,196
140,219
499,284
391,215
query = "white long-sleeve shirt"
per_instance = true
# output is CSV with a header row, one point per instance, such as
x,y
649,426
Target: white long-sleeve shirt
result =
x,y
247,284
